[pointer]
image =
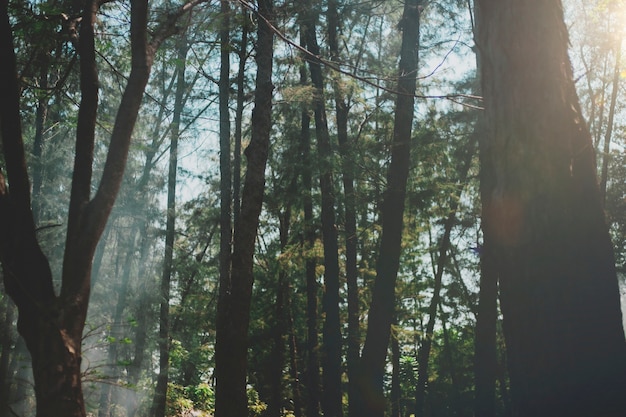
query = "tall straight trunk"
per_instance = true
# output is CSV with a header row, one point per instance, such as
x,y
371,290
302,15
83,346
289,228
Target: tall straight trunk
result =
x,y
231,369
222,350
241,78
313,363
277,356
348,168
160,391
294,369
331,329
38,141
485,348
554,258
396,392
606,152
371,399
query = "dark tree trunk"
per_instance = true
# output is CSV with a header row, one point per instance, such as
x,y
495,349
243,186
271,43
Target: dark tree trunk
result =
x,y
241,77
313,364
348,167
52,325
222,350
371,400
554,258
396,392
160,391
231,368
485,360
331,329
6,347
277,356
606,151
444,247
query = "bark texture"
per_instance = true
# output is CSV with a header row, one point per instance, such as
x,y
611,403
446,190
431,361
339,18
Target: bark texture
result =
x,y
558,287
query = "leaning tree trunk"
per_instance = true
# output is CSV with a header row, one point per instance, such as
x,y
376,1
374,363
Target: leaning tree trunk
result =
x,y
558,287
370,396
231,370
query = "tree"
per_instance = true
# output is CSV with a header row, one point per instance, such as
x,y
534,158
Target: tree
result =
x,y
232,333
552,251
370,385
51,324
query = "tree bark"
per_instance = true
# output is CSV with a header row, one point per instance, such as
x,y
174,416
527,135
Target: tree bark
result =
x,y
231,371
554,258
371,400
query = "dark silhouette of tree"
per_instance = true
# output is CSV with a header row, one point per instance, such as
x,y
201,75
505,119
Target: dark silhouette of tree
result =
x,y
232,332
544,218
370,399
51,324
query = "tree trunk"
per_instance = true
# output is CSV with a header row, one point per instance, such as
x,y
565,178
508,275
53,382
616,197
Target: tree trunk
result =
x,y
371,400
111,371
331,328
606,152
241,77
160,391
554,258
313,364
396,392
231,371
348,167
222,350
6,347
52,325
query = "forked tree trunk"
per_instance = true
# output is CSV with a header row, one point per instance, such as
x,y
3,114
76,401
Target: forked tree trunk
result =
x,y
52,325
232,334
554,257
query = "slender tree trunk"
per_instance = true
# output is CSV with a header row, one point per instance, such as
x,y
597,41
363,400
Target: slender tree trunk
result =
x,y
331,329
241,76
396,392
558,286
348,167
606,152
222,350
160,391
371,400
231,369
424,352
112,369
277,355
313,364
293,358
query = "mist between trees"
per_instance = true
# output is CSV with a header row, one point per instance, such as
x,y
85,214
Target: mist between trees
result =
x,y
230,208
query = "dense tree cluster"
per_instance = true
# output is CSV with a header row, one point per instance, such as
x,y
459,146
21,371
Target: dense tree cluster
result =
x,y
312,208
